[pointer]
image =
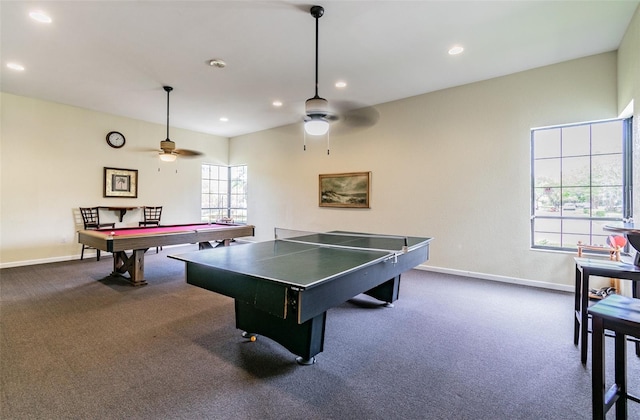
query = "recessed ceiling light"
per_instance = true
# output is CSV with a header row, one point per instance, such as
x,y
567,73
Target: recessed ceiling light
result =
x,y
341,84
15,66
277,103
224,119
456,50
40,16
216,62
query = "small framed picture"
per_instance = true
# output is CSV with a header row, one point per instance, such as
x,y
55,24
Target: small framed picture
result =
x,y
120,182
349,190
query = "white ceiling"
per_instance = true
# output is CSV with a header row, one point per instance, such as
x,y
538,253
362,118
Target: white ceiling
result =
x,y
115,56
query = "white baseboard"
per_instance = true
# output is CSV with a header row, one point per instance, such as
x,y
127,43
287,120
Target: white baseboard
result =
x,y
493,277
88,254
503,279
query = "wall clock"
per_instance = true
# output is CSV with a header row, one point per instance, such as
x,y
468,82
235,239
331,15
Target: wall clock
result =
x,y
115,139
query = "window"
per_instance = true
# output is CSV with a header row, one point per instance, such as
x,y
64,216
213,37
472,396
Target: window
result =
x,y
580,181
224,193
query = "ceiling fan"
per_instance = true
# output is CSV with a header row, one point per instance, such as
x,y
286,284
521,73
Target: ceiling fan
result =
x,y
318,115
169,153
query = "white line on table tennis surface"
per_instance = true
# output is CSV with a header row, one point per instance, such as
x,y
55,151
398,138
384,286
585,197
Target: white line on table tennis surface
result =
x,y
359,248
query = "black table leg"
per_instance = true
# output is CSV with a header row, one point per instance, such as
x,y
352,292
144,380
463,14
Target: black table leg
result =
x,y
584,317
621,375
576,307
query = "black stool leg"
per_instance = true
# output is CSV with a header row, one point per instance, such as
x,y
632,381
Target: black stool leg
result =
x,y
621,374
635,292
576,321
597,369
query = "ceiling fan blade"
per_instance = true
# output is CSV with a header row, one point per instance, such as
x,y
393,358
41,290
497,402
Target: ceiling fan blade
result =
x,y
361,118
352,116
147,149
188,153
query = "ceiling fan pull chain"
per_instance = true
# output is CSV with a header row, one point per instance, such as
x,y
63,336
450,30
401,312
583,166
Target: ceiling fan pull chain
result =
x,y
328,141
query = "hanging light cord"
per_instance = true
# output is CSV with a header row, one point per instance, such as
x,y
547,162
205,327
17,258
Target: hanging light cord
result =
x,y
317,32
168,90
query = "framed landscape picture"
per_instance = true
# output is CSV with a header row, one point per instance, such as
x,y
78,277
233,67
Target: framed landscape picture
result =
x,y
350,190
120,182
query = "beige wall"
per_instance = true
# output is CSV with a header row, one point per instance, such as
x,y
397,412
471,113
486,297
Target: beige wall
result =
x,y
52,158
629,91
453,164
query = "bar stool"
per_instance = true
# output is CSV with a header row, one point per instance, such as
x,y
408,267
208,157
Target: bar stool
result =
x,y
586,267
621,315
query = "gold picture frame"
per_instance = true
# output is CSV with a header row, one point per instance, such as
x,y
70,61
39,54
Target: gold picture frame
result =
x,y
120,182
346,190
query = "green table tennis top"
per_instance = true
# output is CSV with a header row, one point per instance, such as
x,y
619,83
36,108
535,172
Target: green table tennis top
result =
x,y
307,262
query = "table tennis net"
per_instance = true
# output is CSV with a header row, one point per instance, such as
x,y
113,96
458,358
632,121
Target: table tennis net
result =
x,y
347,240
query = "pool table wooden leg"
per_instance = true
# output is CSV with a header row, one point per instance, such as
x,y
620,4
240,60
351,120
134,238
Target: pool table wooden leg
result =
x,y
134,265
208,245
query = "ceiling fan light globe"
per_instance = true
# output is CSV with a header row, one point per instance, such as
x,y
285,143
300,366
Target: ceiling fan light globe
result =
x,y
168,157
316,127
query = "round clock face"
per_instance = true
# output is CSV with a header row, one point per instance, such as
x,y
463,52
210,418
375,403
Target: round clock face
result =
x,y
115,139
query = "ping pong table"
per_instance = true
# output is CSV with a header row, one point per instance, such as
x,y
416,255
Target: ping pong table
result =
x,y
283,288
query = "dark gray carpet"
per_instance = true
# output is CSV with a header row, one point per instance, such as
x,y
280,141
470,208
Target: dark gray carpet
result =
x,y
77,345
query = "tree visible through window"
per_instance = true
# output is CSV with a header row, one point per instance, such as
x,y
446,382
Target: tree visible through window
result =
x,y
224,193
581,181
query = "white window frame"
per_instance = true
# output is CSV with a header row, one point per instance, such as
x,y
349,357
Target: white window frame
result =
x,y
224,193
544,222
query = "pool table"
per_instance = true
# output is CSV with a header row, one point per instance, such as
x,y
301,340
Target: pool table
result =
x,y
139,239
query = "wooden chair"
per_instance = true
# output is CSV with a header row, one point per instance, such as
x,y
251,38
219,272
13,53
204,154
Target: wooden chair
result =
x,y
151,217
91,220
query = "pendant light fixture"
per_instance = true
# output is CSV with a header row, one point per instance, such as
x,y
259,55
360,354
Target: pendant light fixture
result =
x,y
316,122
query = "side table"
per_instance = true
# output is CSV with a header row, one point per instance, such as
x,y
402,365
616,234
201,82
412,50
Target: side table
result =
x,y
586,267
